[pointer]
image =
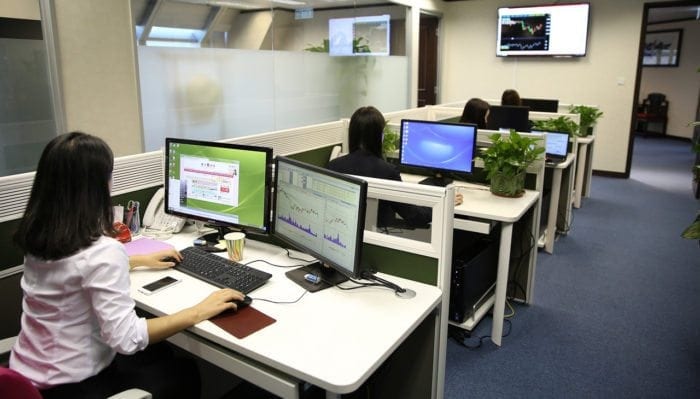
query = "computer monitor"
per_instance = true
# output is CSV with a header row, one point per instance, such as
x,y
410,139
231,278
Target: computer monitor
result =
x,y
322,213
437,148
541,104
225,185
557,145
508,117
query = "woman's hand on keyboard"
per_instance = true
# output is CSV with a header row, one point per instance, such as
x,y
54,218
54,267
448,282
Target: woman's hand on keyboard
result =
x,y
157,260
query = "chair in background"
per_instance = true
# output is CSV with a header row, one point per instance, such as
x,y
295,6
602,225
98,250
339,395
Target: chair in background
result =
x,y
652,110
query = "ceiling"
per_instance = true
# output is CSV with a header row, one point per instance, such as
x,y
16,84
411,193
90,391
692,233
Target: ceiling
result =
x,y
292,4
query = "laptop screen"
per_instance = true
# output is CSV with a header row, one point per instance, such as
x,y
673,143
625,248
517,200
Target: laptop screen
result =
x,y
556,144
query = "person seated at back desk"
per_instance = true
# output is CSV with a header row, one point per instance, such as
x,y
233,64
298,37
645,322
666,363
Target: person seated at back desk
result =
x,y
475,111
511,97
365,136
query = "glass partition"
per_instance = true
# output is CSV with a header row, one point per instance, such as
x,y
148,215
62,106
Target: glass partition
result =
x,y
26,114
235,68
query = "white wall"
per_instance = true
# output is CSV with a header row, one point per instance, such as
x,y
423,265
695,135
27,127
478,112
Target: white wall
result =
x,y
681,84
21,9
604,77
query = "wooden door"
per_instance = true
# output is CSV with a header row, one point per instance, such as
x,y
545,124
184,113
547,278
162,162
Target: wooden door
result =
x,y
427,60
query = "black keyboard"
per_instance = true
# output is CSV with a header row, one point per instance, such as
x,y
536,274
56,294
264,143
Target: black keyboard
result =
x,y
221,271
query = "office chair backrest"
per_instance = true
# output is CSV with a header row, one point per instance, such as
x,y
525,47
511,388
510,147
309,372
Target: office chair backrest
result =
x,y
656,103
15,385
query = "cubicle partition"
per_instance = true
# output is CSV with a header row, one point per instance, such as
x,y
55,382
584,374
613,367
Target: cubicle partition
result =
x,y
136,177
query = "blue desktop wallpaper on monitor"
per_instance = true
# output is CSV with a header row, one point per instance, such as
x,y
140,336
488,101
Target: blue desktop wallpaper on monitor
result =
x,y
438,146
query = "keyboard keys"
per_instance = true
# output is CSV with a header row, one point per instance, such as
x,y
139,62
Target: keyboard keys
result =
x,y
220,271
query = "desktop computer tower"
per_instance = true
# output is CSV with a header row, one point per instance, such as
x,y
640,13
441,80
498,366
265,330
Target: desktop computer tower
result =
x,y
474,267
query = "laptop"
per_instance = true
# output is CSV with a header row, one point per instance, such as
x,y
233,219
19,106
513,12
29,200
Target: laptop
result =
x,y
556,146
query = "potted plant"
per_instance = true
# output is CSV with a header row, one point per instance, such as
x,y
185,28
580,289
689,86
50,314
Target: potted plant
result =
x,y
559,124
390,142
506,161
693,231
589,117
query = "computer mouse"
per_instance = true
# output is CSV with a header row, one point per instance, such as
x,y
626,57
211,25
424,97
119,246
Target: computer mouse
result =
x,y
240,304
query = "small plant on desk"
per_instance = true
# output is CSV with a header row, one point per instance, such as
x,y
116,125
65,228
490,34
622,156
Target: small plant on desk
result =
x,y
558,124
589,117
506,161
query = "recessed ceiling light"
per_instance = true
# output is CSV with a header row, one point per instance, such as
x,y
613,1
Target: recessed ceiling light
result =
x,y
290,2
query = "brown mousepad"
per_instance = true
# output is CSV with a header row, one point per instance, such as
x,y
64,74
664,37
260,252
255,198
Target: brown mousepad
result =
x,y
242,323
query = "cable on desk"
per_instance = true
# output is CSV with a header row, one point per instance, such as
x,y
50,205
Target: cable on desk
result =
x,y
289,255
460,336
378,282
281,302
370,275
272,264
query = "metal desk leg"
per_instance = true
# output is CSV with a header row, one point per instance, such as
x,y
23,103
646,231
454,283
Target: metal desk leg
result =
x,y
501,282
553,211
580,173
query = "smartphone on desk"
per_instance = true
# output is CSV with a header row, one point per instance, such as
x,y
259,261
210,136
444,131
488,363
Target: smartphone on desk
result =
x,y
158,285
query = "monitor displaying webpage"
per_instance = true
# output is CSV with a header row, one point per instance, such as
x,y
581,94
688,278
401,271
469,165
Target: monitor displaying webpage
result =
x,y
216,183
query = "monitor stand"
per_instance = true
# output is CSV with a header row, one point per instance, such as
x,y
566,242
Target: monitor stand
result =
x,y
213,241
437,180
329,277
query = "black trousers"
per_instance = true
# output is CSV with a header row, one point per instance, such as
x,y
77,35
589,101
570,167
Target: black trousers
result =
x,y
155,369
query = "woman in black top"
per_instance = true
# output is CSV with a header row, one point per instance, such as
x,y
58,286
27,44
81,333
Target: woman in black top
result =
x,y
475,111
365,158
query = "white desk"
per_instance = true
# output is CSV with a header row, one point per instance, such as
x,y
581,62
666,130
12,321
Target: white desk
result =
x,y
555,202
333,339
584,169
478,208
480,203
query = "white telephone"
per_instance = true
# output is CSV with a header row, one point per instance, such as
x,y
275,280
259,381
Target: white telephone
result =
x,y
155,218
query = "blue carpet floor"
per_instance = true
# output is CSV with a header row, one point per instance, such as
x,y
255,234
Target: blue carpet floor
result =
x,y
613,314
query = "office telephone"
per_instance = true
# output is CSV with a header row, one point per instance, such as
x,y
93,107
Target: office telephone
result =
x,y
155,218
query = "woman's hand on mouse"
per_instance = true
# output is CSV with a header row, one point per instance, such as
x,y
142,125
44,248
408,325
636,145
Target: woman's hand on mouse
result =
x,y
217,302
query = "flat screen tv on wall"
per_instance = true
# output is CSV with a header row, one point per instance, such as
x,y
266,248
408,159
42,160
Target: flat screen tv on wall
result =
x,y
546,30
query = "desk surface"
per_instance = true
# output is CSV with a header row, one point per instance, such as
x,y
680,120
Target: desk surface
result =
x,y
479,202
334,339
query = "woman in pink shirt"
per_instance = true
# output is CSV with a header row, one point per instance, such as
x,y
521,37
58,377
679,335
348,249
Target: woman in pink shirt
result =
x,y
81,336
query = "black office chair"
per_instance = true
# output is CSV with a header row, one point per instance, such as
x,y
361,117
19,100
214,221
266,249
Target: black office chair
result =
x,y
652,110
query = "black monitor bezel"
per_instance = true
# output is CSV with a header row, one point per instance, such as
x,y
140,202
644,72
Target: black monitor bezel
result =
x,y
266,228
537,104
497,114
359,238
434,170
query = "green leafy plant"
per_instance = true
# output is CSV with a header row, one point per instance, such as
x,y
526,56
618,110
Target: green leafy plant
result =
x,y
589,117
359,45
559,124
323,48
509,156
389,144
693,231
